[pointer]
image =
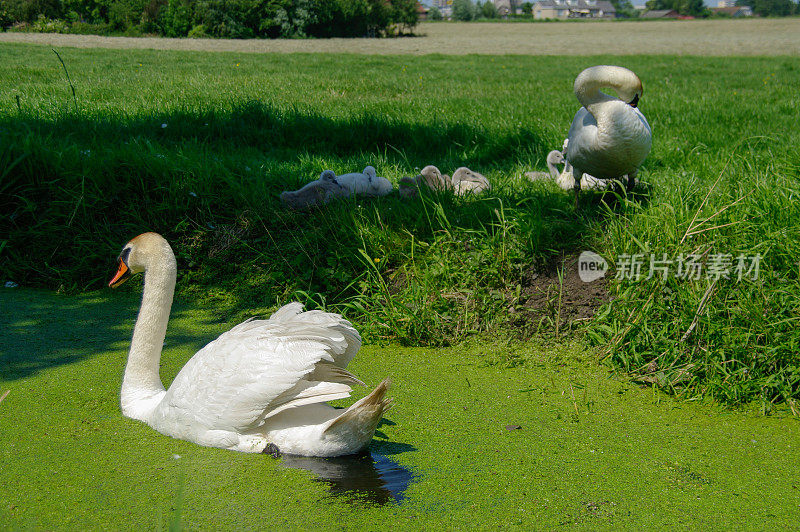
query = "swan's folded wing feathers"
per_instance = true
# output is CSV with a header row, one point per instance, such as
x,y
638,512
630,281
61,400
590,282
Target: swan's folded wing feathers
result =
x,y
307,392
331,373
286,312
238,378
297,322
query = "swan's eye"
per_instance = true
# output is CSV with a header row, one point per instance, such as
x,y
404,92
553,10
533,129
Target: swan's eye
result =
x,y
635,101
123,256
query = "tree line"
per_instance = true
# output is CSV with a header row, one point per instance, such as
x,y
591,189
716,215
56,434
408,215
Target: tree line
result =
x,y
235,19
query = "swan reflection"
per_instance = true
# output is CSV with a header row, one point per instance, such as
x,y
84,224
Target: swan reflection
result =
x,y
367,476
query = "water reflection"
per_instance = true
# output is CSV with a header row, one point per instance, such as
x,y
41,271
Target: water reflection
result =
x,y
368,476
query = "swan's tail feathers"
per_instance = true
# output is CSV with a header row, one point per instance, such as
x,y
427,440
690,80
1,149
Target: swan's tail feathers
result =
x,y
358,423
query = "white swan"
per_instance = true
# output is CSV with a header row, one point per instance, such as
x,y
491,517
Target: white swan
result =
x,y
609,136
261,386
366,183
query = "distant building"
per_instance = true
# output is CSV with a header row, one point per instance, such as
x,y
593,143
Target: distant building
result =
x,y
445,7
660,13
735,11
726,3
422,11
564,9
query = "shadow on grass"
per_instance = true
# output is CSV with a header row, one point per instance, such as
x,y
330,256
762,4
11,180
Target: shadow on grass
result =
x,y
42,330
264,127
104,179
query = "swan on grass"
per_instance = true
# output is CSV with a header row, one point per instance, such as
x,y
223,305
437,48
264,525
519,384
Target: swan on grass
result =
x,y
464,181
553,159
564,178
366,183
260,387
609,137
331,187
314,194
430,176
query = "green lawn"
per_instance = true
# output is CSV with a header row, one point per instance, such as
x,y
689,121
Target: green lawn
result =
x,y
197,146
616,456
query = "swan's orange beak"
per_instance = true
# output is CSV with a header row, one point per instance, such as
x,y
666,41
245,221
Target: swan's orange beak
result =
x,y
123,272
633,103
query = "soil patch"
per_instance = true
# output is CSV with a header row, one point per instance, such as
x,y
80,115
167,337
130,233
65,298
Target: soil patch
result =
x,y
556,297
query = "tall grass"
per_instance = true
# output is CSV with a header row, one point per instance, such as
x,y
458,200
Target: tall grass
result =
x,y
201,156
730,338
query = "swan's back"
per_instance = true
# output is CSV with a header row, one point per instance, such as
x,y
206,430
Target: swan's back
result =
x,y
250,371
616,147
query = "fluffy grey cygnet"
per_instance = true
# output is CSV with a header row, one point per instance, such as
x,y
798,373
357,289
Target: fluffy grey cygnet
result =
x,y
314,194
464,181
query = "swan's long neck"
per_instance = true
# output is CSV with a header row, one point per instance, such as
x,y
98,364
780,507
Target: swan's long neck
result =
x,y
141,385
553,169
590,81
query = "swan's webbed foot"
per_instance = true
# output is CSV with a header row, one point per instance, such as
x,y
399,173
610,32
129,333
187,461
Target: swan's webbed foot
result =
x,y
272,450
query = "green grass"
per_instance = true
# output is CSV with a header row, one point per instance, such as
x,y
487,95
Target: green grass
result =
x,y
594,452
240,128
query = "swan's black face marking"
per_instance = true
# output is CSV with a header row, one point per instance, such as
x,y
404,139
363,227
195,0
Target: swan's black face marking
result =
x,y
123,272
124,254
633,103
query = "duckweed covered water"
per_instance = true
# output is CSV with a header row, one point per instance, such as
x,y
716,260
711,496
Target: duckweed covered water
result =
x,y
591,451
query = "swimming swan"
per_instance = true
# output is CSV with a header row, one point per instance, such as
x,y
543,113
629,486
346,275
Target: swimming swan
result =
x,y
260,387
609,136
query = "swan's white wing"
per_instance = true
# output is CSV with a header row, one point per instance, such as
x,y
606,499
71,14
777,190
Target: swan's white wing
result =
x,y
617,150
235,381
581,143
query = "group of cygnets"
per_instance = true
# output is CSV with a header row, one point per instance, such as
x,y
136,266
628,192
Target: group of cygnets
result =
x,y
330,187
608,140
564,178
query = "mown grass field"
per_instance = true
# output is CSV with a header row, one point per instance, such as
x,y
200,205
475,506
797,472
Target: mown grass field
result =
x,y
749,37
197,146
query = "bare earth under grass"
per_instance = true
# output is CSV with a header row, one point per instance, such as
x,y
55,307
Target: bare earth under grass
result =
x,y
692,37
